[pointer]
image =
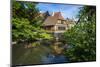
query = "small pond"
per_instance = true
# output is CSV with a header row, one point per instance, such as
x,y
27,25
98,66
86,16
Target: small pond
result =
x,y
50,58
42,54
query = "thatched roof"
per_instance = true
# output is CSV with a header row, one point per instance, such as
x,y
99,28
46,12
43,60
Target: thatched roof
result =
x,y
52,20
58,15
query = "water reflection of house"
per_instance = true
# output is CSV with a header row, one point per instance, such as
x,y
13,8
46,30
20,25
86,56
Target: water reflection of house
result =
x,y
56,24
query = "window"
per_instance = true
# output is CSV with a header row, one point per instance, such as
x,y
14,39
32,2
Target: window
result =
x,y
62,22
61,28
59,21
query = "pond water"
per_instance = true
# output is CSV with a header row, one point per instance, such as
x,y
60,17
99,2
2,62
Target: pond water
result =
x,y
42,54
50,58
56,56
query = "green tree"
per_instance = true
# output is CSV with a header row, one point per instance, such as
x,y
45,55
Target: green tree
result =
x,y
26,22
82,37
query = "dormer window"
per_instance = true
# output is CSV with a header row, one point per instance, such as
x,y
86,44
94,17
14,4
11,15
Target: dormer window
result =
x,y
59,21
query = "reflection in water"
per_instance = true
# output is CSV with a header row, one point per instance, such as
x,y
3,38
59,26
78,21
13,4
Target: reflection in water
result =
x,y
50,58
42,53
56,54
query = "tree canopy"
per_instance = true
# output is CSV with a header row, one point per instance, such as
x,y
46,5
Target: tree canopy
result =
x,y
26,22
82,37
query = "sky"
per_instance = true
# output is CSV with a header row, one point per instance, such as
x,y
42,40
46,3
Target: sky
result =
x,y
67,10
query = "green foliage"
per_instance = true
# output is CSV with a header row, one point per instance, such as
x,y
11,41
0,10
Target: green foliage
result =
x,y
26,22
22,30
82,37
46,36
